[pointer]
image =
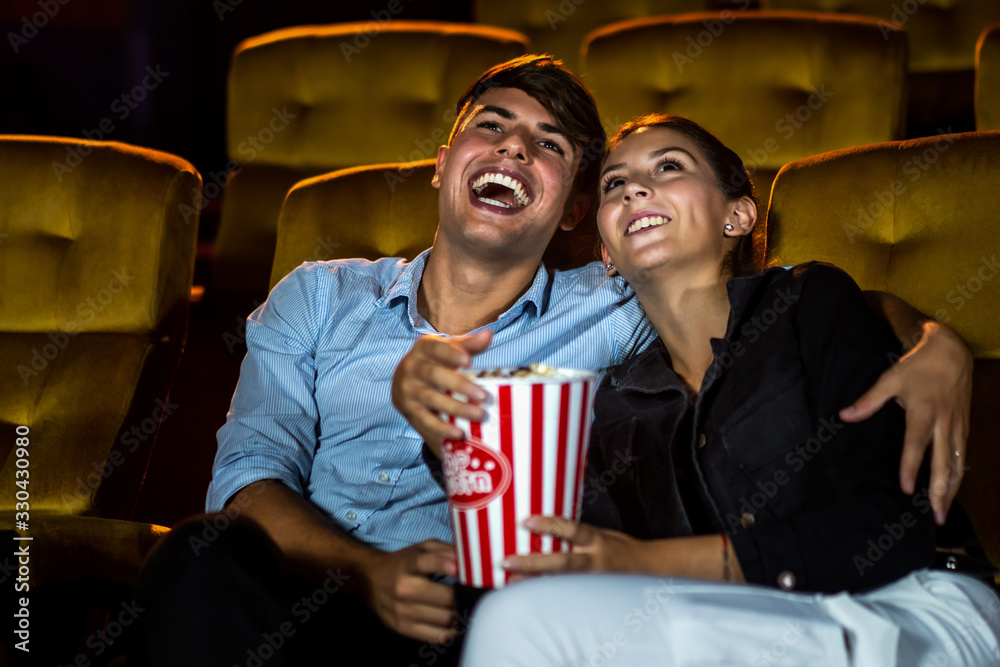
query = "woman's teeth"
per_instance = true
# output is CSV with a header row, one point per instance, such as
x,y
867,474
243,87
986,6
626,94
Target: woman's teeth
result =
x,y
648,221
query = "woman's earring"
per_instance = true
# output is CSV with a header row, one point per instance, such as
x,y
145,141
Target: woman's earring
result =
x,y
729,227
609,267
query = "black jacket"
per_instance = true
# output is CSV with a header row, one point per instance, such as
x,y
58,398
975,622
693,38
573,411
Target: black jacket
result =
x,y
809,502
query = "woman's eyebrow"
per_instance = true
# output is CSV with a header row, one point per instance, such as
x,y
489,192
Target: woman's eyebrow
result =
x,y
612,167
657,153
652,156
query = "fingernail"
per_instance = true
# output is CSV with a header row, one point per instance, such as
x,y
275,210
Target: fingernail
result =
x,y
510,564
908,484
939,516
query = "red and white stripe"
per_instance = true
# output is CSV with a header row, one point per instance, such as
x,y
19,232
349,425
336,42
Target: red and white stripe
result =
x,y
543,429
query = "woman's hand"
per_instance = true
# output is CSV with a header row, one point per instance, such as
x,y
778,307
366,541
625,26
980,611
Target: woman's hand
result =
x,y
423,377
933,383
593,549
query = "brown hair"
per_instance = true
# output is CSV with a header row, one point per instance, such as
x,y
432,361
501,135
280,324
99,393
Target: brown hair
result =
x,y
562,94
731,177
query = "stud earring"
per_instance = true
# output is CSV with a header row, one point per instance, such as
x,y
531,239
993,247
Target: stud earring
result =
x,y
609,267
729,227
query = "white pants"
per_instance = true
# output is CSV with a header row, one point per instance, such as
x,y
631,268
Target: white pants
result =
x,y
927,619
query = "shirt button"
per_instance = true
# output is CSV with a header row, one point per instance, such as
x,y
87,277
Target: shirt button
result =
x,y
786,580
382,477
351,515
747,519
701,440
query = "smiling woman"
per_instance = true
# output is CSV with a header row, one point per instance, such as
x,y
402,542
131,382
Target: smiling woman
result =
x,y
715,416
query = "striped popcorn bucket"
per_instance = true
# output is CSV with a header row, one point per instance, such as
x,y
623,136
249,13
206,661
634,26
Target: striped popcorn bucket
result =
x,y
526,457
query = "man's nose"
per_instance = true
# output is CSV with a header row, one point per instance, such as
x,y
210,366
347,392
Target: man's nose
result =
x,y
513,145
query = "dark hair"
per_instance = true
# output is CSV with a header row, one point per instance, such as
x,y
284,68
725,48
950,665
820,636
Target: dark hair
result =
x,y
730,175
562,94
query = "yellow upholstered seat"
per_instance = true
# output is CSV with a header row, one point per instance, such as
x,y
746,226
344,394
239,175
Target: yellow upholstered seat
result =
x,y
97,250
917,219
386,210
988,79
775,86
559,28
942,38
304,101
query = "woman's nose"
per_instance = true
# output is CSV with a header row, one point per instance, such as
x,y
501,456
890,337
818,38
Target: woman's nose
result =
x,y
636,189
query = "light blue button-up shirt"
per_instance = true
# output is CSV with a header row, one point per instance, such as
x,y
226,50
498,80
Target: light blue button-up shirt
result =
x,y
313,408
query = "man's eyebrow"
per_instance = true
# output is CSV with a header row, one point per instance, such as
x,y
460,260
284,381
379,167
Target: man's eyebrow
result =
x,y
652,156
507,114
552,129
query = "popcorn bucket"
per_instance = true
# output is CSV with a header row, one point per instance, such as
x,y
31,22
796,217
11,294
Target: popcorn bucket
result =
x,y
526,457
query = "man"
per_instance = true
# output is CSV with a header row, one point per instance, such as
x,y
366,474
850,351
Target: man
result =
x,y
312,450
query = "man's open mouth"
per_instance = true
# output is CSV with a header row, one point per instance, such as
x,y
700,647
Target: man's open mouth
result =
x,y
500,189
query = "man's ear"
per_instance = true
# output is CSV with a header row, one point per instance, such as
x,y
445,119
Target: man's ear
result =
x,y
575,212
743,217
442,160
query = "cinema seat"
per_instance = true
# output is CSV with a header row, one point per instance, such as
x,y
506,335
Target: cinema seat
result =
x,y
988,79
559,28
384,210
917,219
96,262
309,100
775,86
942,38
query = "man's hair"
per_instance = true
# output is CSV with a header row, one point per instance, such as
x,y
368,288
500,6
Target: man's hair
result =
x,y
731,177
562,94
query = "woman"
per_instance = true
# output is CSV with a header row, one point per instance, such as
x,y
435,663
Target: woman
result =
x,y
740,470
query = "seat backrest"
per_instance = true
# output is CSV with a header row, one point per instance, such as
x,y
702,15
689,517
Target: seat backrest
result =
x,y
97,248
775,86
304,101
942,33
385,210
988,79
917,219
559,28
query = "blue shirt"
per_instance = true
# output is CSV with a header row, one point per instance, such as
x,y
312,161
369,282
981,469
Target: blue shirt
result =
x,y
313,407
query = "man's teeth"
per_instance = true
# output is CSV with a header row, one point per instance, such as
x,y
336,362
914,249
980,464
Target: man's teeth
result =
x,y
648,221
519,194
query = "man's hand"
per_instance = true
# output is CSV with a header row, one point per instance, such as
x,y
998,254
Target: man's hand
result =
x,y
933,383
400,592
424,376
594,549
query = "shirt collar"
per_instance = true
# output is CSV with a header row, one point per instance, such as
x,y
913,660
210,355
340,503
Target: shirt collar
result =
x,y
407,283
650,371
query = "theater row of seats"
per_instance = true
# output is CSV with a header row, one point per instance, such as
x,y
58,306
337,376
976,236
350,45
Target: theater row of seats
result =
x,y
778,86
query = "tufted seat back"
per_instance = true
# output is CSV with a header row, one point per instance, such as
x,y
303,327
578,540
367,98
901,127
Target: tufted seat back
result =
x,y
774,86
917,219
942,37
